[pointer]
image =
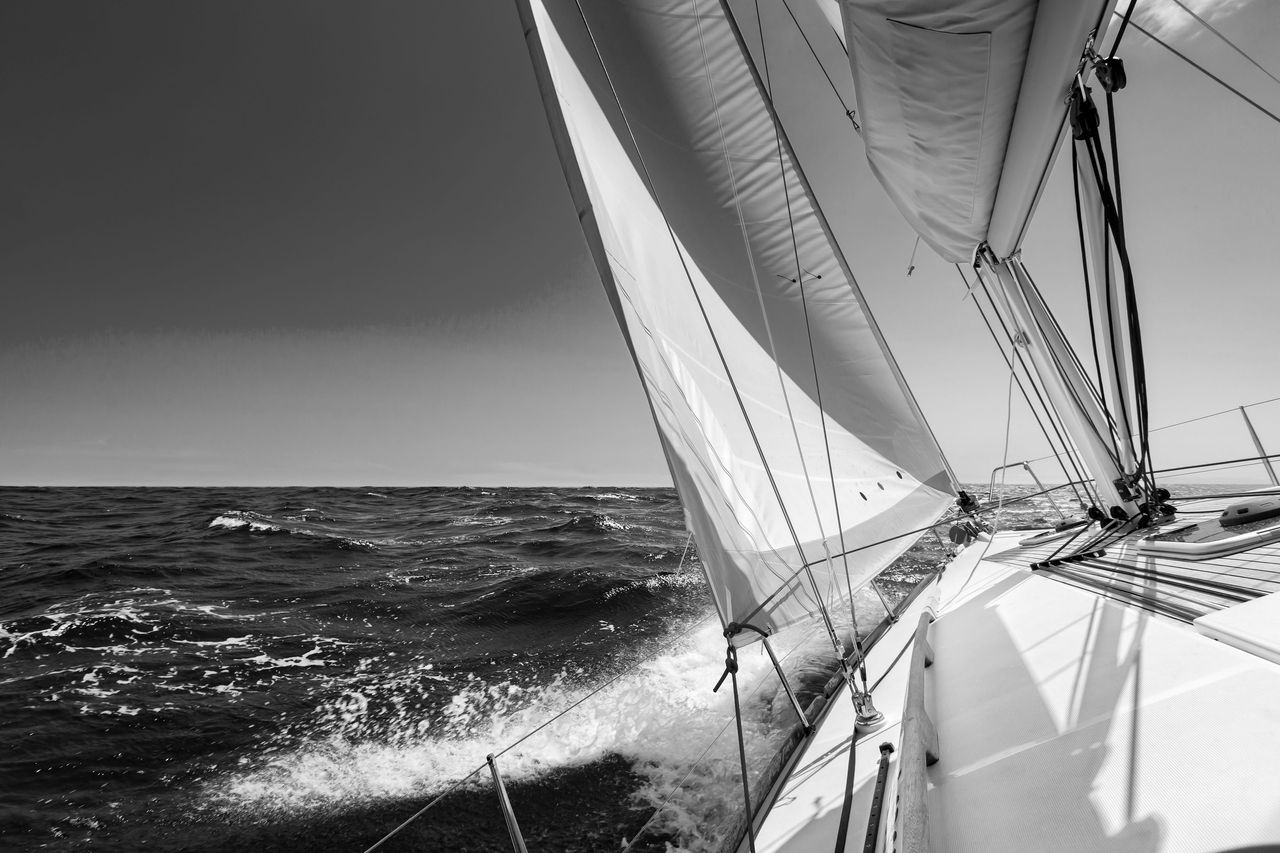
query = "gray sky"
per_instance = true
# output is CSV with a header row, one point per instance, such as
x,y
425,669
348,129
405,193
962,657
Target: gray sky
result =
x,y
328,243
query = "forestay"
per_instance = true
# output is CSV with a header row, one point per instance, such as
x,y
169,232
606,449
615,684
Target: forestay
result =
x,y
739,312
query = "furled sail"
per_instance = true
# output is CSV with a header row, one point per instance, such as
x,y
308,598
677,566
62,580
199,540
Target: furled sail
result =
x,y
788,430
962,107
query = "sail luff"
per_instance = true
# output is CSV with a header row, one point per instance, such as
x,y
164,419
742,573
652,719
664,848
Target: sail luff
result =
x,y
578,190
577,187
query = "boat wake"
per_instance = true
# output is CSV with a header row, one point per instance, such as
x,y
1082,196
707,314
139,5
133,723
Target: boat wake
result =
x,y
374,741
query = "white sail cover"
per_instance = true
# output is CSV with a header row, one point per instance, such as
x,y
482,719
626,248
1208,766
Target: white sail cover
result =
x,y
713,255
962,107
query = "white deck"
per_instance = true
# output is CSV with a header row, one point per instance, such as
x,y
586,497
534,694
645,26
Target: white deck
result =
x,y
1067,722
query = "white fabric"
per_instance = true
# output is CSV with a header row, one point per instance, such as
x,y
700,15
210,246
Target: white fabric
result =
x,y
695,209
962,107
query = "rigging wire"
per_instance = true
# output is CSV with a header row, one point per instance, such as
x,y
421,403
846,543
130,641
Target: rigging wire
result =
x,y
987,291
1062,371
665,799
821,605
1088,289
1124,24
813,358
849,111
1190,421
1034,411
702,310
1211,28
1215,78
524,737
1115,224
1131,298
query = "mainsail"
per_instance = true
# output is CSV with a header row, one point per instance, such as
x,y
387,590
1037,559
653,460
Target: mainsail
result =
x,y
799,455
963,105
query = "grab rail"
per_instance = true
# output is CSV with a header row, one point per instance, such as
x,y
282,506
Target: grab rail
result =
x,y
919,749
1026,465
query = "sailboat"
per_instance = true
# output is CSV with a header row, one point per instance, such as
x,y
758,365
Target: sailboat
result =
x,y
1112,683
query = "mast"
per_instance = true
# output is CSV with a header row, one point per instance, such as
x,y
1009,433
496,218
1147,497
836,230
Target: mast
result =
x,y
1067,386
963,108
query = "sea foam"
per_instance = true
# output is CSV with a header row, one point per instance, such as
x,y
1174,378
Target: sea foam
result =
x,y
662,715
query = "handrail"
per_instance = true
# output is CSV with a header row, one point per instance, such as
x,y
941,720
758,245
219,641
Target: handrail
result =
x,y
1026,465
919,749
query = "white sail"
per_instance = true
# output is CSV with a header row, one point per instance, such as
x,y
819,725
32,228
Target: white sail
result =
x,y
739,312
962,106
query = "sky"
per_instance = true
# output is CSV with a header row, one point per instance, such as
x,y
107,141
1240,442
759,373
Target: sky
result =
x,y
306,243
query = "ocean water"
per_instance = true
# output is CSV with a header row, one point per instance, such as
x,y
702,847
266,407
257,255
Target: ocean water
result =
x,y
284,669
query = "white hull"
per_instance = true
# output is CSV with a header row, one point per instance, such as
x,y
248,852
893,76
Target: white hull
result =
x,y
1067,720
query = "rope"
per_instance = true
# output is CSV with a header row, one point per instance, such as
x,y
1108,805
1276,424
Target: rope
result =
x,y
1088,289
1049,410
1034,411
1115,223
848,111
706,319
813,358
1008,423
1216,464
799,280
1184,423
1124,24
1067,383
979,511
666,798
420,812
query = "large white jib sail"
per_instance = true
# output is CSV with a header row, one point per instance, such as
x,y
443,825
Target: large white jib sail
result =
x,y
789,433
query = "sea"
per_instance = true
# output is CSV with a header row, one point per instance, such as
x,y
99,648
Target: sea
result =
x,y
292,669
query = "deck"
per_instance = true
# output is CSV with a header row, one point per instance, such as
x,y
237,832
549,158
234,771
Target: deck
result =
x,y
1072,714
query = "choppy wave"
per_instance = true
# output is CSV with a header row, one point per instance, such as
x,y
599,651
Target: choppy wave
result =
x,y
591,523
304,665
302,526
371,743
